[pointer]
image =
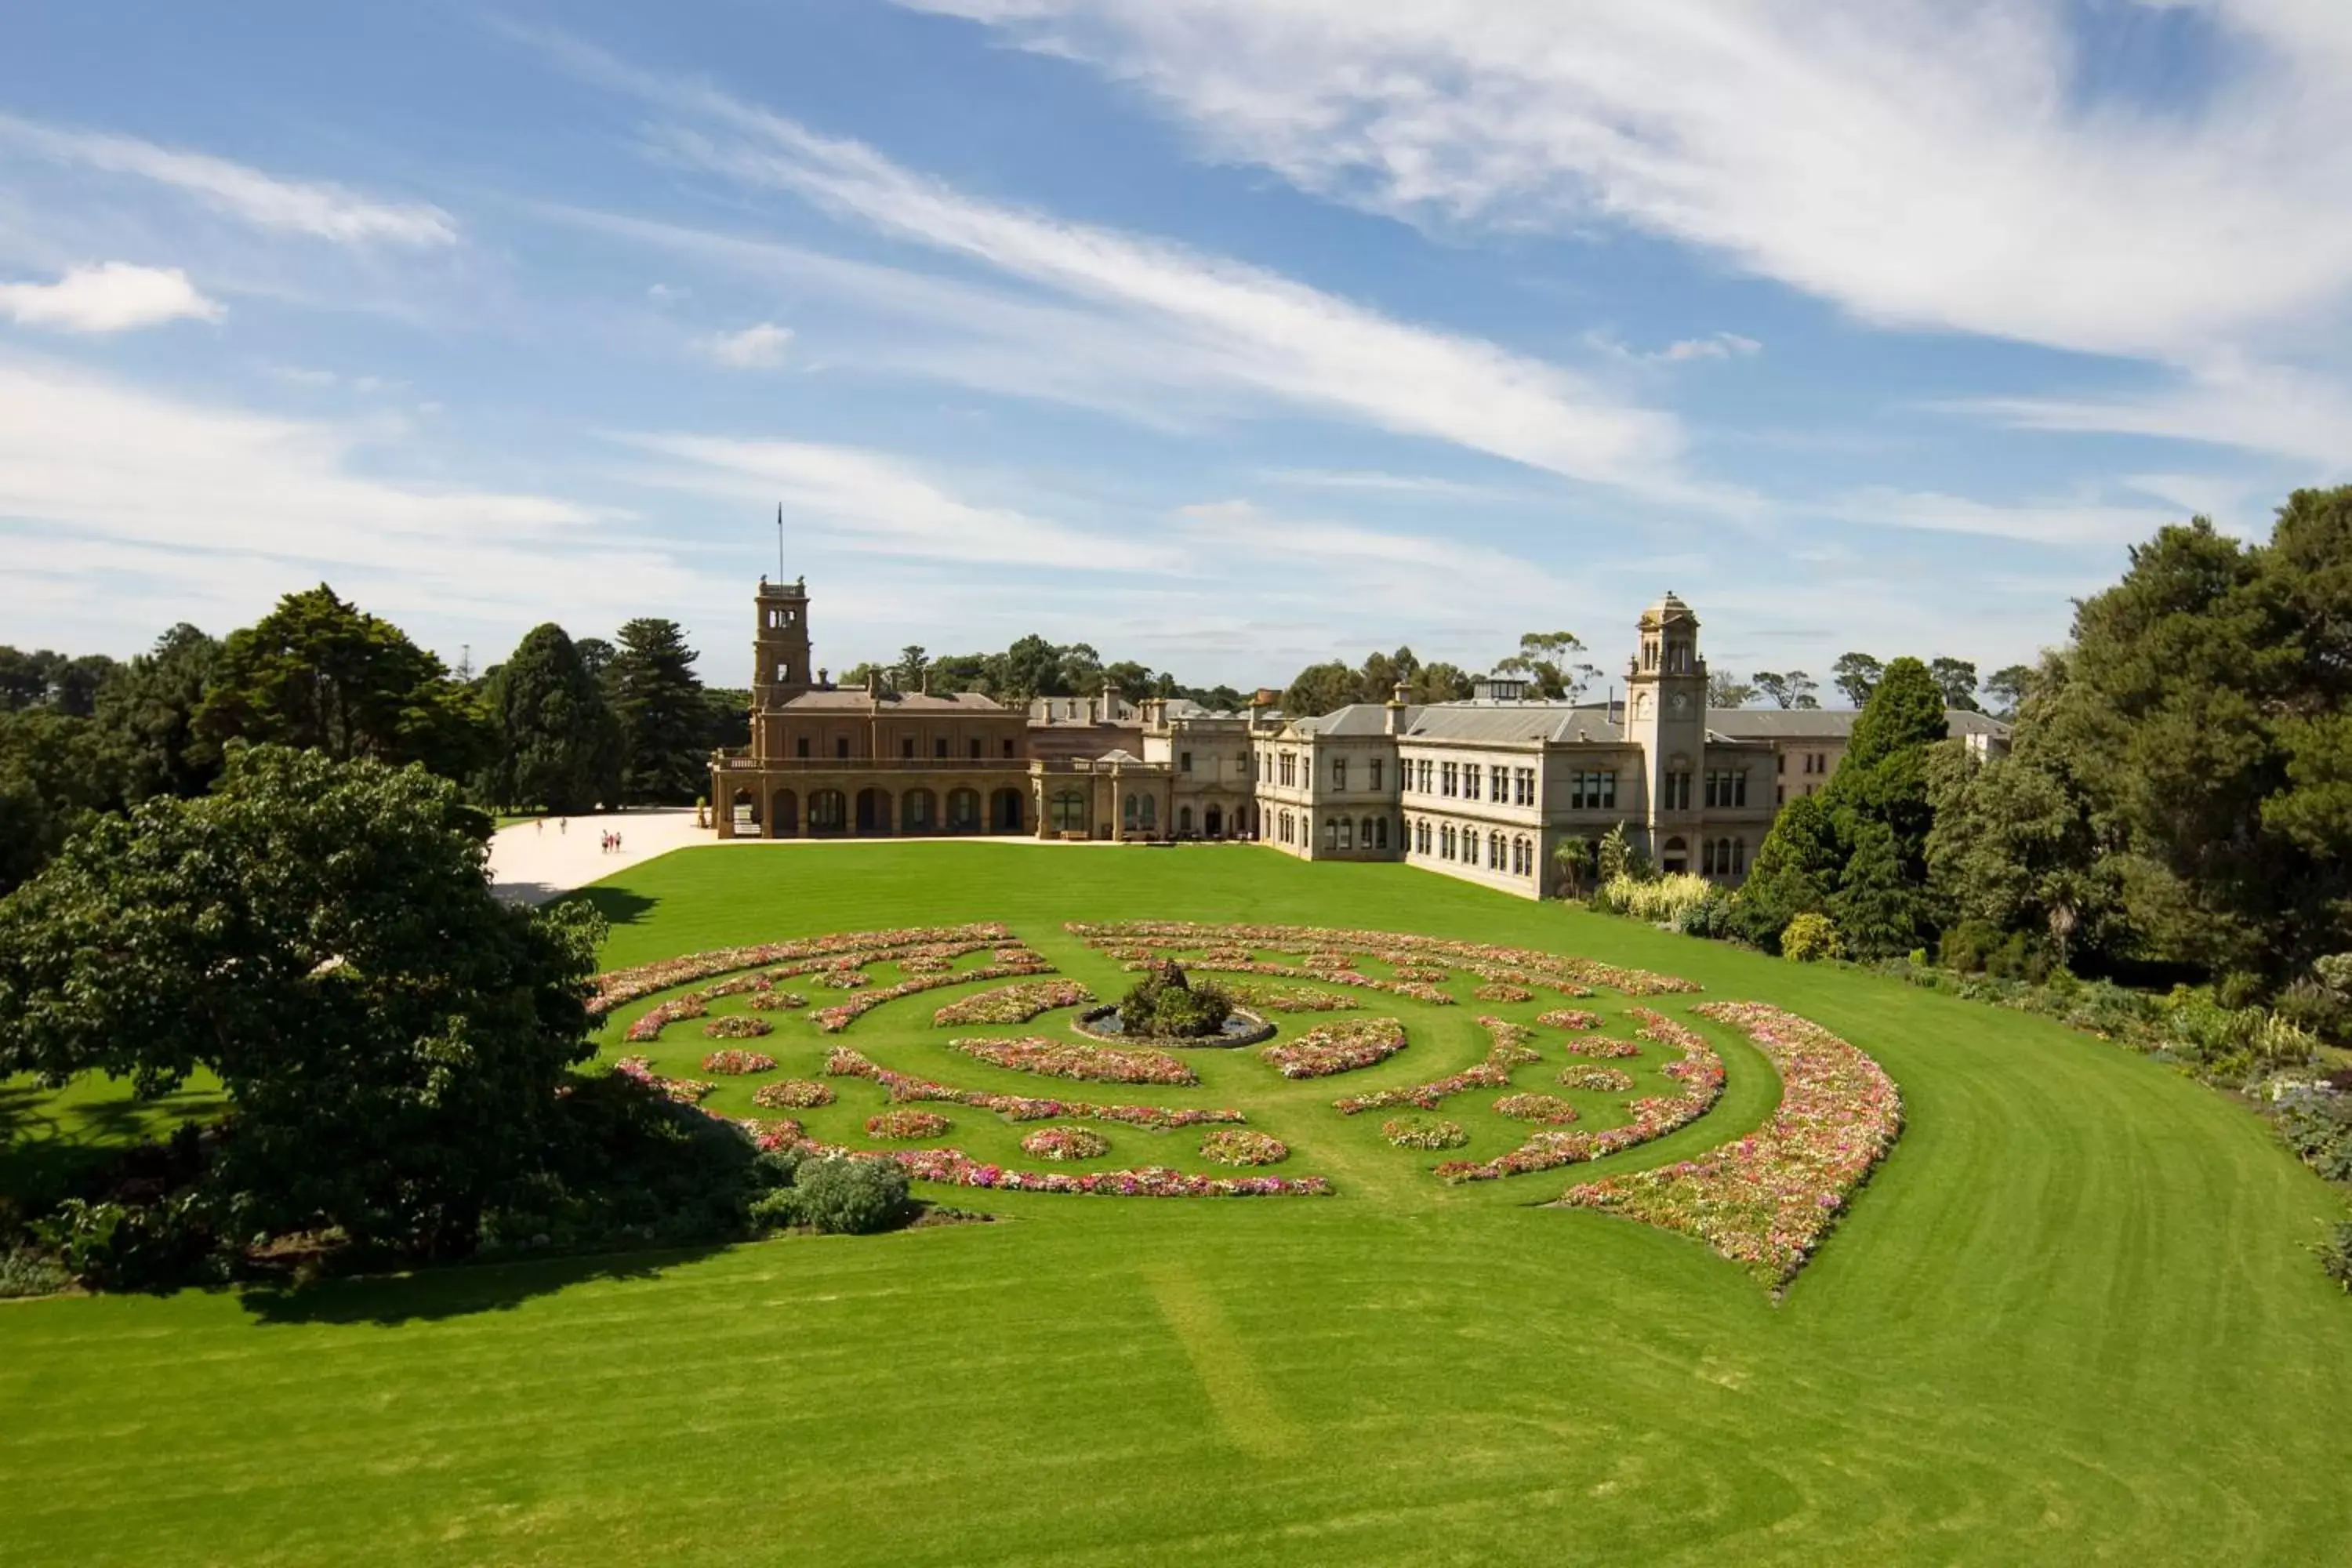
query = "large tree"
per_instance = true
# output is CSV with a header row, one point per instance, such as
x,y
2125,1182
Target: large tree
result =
x,y
664,725
1321,689
1550,660
1856,674
151,705
319,936
56,773
320,673
559,744
1957,678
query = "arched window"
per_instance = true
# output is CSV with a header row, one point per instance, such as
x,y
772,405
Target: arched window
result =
x,y
1151,814
1126,814
828,811
1706,859
1740,857
1676,855
919,812
1067,812
1330,833
1445,841
784,821
1184,819
872,811
1380,831
1493,851
1346,834
1009,811
963,811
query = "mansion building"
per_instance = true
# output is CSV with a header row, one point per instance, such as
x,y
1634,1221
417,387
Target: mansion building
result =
x,y
1483,790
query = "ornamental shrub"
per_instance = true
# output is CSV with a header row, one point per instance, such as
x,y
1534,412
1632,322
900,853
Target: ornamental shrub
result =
x,y
1661,900
1164,1002
1809,938
2336,1256
851,1197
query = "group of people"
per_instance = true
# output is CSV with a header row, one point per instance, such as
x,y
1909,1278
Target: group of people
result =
x,y
612,844
564,825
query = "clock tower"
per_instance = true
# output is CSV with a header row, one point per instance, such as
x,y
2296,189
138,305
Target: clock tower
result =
x,y
1666,715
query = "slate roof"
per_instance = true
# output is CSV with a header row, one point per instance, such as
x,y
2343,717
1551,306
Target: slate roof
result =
x,y
855,699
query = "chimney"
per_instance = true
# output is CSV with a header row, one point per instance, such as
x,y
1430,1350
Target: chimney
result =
x,y
1396,709
1109,702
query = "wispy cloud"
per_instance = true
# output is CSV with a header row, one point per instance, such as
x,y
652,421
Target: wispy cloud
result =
x,y
132,508
1200,318
316,209
1917,162
760,347
1718,345
1376,481
115,297
2069,524
2261,407
871,503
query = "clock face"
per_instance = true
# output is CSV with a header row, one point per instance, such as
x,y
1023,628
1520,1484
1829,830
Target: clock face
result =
x,y
1681,702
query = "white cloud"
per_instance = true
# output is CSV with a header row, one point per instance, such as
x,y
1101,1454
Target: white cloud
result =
x,y
319,209
760,347
2261,407
1182,316
127,511
668,293
1720,346
1918,163
872,502
1320,560
1376,482
114,297
2064,523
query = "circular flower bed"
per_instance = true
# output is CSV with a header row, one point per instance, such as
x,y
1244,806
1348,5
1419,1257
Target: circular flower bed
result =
x,y
772,1000
735,1063
1548,1109
739,1027
1607,1080
1570,1018
1424,1133
1603,1048
905,1124
844,979
1499,991
1239,1146
925,964
1066,1143
1337,1048
792,1094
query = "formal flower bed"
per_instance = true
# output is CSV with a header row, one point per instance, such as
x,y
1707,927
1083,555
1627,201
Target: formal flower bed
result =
x,y
1601,1081
1549,1109
1611,1050
846,1063
1146,940
792,1094
845,979
1288,998
952,1167
1501,991
906,1124
735,1063
685,1090
1698,1075
1509,1051
1570,1018
1421,975
1066,1143
615,987
1429,993
772,1000
736,984
737,1026
783,1133
841,1014
1238,1146
1766,1201
1424,1133
1337,1048
925,964
1014,1003
1065,1058
661,1016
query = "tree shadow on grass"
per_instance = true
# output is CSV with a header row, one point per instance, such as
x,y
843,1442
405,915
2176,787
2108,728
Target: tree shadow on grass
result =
x,y
460,1290
619,905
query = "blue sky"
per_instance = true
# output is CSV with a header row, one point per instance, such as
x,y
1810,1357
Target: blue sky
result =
x,y
1225,334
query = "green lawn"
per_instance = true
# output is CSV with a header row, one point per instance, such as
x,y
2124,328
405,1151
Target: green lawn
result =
x,y
2071,1320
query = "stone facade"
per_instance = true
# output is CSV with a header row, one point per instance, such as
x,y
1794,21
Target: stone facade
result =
x,y
1485,790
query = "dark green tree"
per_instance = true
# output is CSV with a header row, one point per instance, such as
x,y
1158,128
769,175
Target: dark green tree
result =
x,y
1321,689
1957,678
1793,874
2005,686
1880,906
56,774
559,744
1856,674
150,706
1132,682
1440,682
1550,660
319,673
320,936
665,727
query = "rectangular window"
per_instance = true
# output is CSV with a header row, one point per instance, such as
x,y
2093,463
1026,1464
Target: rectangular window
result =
x,y
1779,762
1780,795
1499,779
840,745
975,751
1338,773
1008,745
1470,781
939,748
907,747
1376,775
1183,761
1739,788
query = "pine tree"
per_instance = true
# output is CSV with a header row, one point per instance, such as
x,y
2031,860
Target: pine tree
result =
x,y
559,746
655,695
